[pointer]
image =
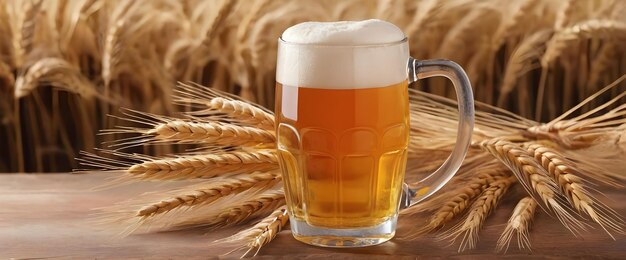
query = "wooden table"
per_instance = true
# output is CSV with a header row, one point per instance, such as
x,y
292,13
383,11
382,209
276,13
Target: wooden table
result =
x,y
48,216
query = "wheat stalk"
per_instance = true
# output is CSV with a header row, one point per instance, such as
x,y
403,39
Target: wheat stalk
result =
x,y
586,129
573,186
519,223
210,192
535,179
478,213
6,75
604,59
205,166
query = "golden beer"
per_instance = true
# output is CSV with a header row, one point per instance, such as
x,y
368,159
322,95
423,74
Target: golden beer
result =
x,y
342,124
344,152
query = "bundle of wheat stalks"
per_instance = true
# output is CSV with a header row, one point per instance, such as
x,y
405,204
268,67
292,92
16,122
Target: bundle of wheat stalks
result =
x,y
232,164
520,55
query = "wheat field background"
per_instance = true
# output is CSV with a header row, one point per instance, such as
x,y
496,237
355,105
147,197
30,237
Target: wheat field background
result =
x,y
66,64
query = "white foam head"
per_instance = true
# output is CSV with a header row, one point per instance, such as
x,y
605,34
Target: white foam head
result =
x,y
342,55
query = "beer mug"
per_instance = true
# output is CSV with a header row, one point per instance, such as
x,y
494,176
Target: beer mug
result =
x,y
342,109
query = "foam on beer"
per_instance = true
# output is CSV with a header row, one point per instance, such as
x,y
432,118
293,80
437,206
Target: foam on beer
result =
x,y
342,55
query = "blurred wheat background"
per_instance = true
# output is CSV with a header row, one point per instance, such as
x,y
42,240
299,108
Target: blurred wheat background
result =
x,y
66,64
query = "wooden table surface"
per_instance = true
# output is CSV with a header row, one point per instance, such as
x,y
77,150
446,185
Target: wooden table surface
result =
x,y
48,216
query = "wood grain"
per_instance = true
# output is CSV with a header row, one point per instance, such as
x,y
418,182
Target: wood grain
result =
x,y
51,216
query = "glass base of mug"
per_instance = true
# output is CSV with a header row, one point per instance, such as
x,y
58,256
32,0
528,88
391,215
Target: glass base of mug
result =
x,y
342,238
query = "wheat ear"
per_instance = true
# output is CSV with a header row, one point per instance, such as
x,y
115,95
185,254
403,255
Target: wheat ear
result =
x,y
111,53
466,182
255,207
458,34
163,129
521,61
218,105
573,186
24,25
470,186
589,28
223,12
243,112
209,192
535,179
169,130
519,223
478,213
205,166
564,15
512,23
454,206
268,233
262,233
425,10
211,132
56,72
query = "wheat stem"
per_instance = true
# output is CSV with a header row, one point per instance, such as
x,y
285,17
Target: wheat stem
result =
x,y
604,60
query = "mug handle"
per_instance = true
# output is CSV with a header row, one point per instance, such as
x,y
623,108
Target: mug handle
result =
x,y
420,69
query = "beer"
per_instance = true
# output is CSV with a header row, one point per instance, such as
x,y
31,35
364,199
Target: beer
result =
x,y
344,153
343,122
342,125
343,128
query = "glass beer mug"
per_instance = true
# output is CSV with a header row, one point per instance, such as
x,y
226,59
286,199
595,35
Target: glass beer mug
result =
x,y
343,128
